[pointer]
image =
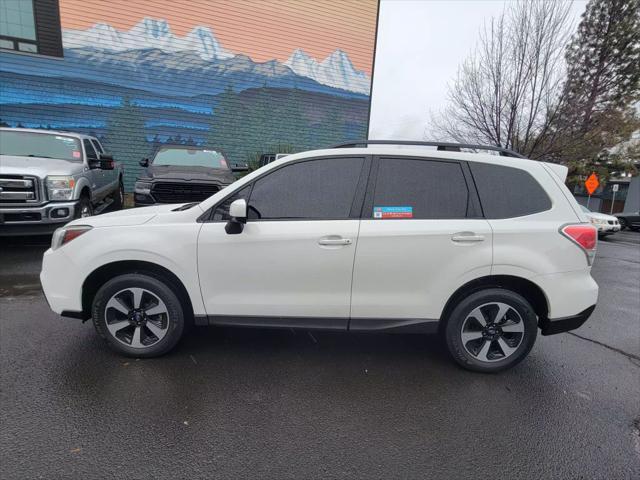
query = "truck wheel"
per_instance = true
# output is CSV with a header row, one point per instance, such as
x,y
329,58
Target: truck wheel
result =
x,y
491,330
84,208
138,315
623,223
118,197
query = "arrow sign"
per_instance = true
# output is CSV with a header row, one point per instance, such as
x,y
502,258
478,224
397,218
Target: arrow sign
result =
x,y
592,183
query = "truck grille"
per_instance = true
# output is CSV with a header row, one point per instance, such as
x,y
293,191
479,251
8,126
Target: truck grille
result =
x,y
18,189
168,192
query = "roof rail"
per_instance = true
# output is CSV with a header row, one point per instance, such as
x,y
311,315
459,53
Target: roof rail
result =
x,y
446,146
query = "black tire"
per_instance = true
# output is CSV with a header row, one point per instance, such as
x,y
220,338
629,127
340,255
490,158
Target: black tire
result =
x,y
623,223
453,331
173,323
118,197
84,208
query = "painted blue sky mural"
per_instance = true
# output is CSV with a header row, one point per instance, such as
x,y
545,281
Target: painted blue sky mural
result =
x,y
145,86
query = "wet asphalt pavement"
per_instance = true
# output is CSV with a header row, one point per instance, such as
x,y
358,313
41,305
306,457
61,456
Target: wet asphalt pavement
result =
x,y
234,403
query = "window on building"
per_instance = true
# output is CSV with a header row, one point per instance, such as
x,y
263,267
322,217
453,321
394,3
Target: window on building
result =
x,y
422,189
311,190
31,26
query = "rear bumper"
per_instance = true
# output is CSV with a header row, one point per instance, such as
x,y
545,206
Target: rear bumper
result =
x,y
558,325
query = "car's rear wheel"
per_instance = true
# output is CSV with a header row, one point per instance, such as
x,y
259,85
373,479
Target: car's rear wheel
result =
x,y
138,315
491,330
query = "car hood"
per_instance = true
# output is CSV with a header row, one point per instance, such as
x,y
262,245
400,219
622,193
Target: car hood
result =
x,y
189,174
600,216
128,217
37,166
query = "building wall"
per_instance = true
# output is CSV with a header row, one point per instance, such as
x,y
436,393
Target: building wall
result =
x,y
247,76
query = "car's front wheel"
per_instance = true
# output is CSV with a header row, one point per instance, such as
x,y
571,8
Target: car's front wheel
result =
x,y
491,330
138,315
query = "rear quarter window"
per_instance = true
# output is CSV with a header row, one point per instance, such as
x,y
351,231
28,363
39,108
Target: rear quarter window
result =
x,y
507,192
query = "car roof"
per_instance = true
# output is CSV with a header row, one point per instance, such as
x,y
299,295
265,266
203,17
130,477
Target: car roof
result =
x,y
81,136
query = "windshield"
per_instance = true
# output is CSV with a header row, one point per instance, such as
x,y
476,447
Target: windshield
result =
x,y
190,157
46,145
585,209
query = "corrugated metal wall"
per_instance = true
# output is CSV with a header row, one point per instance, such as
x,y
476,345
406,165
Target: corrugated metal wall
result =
x,y
248,76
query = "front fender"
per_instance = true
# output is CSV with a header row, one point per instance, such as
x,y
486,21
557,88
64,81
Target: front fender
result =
x,y
81,183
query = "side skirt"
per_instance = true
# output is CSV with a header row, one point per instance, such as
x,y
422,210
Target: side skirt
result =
x,y
418,325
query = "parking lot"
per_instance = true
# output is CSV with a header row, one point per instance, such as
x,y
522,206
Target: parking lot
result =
x,y
234,403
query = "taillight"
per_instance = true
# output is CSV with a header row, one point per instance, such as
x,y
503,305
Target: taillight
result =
x,y
583,235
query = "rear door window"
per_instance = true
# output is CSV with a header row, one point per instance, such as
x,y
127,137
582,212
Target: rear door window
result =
x,y
507,192
97,146
419,189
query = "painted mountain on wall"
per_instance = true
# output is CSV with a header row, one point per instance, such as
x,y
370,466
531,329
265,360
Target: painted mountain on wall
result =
x,y
146,86
335,71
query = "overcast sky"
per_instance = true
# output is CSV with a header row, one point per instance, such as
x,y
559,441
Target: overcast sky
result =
x,y
420,45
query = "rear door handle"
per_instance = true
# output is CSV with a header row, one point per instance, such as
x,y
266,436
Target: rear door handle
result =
x,y
333,242
462,237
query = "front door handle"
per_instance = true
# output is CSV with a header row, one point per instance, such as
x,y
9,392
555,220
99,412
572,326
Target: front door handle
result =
x,y
462,237
334,241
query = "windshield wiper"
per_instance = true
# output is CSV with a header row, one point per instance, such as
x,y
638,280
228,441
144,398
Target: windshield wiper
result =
x,y
186,206
39,156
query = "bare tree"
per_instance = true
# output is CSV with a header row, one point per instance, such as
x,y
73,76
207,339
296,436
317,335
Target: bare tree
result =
x,y
508,91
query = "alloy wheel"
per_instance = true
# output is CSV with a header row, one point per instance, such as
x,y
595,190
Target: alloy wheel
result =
x,y
492,332
136,317
85,211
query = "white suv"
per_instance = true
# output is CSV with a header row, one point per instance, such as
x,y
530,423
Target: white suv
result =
x,y
484,249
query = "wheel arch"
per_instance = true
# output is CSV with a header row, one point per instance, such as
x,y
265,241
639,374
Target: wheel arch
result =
x,y
522,286
102,274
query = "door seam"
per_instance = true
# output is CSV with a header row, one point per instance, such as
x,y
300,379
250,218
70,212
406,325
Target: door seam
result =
x,y
353,269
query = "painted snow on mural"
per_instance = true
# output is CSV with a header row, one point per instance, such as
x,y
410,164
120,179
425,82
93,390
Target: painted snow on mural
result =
x,y
139,87
336,70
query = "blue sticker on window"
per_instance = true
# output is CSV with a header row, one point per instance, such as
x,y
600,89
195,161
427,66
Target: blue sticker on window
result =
x,y
393,212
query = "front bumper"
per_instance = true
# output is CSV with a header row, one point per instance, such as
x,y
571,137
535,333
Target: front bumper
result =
x,y
559,325
36,220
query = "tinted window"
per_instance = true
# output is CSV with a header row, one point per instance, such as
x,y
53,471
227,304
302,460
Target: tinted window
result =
x,y
507,192
221,213
314,189
91,153
44,145
190,157
97,146
415,188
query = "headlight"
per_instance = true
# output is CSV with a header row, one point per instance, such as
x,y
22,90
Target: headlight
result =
x,y
66,234
142,187
60,187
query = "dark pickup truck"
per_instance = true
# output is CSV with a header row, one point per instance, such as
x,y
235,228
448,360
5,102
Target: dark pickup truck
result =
x,y
181,173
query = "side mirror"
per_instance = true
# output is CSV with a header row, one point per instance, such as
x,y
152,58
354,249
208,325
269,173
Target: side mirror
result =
x,y
144,162
104,162
238,214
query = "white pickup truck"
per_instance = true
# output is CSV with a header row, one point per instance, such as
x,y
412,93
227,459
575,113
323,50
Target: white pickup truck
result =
x,y
48,178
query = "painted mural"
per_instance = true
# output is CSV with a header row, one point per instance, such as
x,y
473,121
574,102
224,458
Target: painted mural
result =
x,y
171,79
